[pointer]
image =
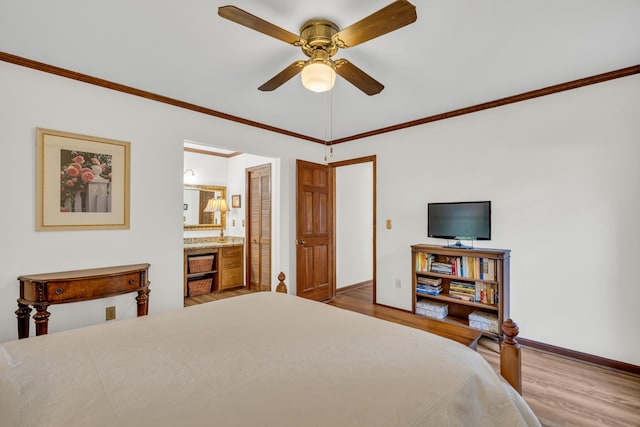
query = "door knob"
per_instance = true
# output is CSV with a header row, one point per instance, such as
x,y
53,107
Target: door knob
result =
x,y
300,242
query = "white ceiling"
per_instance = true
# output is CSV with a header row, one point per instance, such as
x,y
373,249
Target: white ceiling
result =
x,y
458,53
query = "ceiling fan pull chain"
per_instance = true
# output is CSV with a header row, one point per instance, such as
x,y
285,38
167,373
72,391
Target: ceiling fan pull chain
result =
x,y
331,124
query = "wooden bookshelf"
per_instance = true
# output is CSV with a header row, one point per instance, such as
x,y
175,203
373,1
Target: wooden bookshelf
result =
x,y
485,270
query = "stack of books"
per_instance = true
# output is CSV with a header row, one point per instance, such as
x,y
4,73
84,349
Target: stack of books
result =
x,y
462,290
428,285
441,267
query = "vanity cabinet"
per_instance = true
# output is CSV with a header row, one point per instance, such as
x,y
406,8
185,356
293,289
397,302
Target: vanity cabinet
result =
x,y
231,271
219,266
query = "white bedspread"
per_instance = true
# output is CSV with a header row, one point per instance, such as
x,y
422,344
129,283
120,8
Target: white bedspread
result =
x,y
263,359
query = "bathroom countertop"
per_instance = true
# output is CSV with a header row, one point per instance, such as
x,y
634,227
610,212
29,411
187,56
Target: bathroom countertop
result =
x,y
211,242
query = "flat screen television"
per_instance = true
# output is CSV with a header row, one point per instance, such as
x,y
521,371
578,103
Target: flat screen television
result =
x,y
459,221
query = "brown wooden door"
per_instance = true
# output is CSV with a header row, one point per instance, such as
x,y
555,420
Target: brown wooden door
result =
x,y
259,230
314,231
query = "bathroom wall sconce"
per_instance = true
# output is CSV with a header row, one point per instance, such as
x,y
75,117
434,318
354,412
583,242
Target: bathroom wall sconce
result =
x,y
189,177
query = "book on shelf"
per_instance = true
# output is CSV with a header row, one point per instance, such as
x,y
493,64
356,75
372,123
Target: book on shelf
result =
x,y
423,261
474,291
461,296
462,285
428,289
461,266
432,281
441,267
434,292
473,267
486,293
462,290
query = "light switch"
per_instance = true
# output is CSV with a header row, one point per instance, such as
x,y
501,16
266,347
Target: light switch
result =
x,y
388,224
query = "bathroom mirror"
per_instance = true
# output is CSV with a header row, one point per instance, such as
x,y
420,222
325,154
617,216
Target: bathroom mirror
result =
x,y
195,200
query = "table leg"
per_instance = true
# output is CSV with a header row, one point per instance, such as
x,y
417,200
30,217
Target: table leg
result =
x,y
143,302
42,319
23,313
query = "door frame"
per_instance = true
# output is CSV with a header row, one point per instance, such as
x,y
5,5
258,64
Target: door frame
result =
x,y
332,167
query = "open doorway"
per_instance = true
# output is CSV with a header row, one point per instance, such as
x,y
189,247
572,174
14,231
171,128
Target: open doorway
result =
x,y
228,169
355,219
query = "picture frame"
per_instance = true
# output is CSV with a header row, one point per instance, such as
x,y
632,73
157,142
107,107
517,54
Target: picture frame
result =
x,y
82,182
235,200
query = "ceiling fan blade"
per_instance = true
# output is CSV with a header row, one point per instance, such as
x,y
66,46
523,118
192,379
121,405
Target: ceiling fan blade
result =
x,y
283,76
241,17
389,18
357,77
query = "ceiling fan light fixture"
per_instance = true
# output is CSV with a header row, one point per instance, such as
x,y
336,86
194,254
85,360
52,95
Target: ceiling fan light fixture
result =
x,y
321,39
318,77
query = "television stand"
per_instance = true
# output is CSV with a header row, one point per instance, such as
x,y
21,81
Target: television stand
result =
x,y
458,245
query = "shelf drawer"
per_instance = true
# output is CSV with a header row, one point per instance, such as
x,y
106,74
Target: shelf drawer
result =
x,y
74,290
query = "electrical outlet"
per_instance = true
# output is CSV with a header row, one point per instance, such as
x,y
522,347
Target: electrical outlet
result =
x,y
388,224
110,312
398,284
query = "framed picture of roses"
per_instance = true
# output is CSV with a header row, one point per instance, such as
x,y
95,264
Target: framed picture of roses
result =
x,y
82,182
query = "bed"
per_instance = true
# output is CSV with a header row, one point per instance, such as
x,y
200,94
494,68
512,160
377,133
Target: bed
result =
x,y
263,359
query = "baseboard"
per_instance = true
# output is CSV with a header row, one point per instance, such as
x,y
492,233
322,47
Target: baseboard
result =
x,y
395,308
583,357
354,286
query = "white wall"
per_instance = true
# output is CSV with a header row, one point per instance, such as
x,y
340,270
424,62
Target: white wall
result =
x,y
157,132
354,224
562,172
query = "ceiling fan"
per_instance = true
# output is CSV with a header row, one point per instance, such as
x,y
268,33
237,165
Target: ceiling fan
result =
x,y
320,40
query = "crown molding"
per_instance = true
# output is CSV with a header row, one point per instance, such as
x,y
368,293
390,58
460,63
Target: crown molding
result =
x,y
85,78
549,90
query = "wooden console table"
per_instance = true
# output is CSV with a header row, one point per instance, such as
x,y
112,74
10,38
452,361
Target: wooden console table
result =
x,y
42,290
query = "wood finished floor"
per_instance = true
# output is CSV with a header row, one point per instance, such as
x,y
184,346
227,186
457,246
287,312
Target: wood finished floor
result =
x,y
215,296
561,391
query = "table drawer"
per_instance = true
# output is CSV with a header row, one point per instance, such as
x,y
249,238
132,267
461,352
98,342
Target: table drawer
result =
x,y
89,289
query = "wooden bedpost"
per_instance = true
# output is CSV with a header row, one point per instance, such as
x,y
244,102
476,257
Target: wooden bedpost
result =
x,y
510,361
282,288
